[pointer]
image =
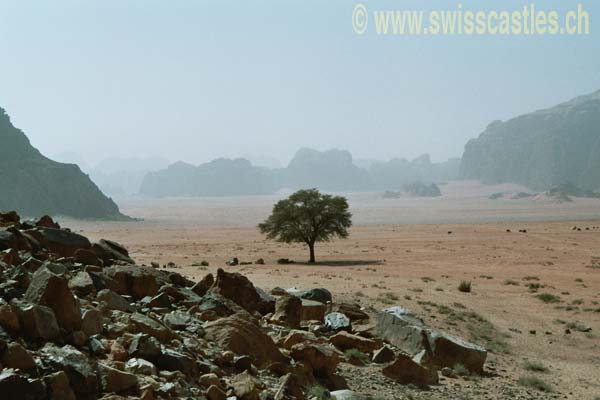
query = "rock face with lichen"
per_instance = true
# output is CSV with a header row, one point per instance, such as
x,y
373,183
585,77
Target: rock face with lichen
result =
x,y
35,185
542,149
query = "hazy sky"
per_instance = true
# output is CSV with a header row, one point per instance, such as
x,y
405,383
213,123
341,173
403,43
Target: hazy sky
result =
x,y
194,80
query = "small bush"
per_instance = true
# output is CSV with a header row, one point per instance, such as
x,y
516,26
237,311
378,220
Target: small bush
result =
x,y
531,278
465,286
535,366
319,392
461,370
535,383
510,282
355,353
548,298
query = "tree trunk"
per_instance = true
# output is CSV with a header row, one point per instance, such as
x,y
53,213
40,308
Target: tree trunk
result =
x,y
311,248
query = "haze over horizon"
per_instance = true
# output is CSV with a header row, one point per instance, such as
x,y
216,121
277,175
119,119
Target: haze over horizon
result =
x,y
124,79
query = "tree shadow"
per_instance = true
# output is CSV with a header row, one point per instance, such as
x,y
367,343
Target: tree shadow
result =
x,y
341,263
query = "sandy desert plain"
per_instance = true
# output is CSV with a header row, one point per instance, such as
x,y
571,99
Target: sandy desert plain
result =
x,y
414,253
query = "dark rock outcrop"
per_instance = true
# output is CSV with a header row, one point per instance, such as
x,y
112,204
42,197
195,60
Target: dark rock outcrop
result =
x,y
540,150
35,185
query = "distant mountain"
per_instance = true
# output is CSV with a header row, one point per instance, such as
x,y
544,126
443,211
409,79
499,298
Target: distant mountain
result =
x,y
332,170
220,177
399,171
328,170
35,185
540,150
124,176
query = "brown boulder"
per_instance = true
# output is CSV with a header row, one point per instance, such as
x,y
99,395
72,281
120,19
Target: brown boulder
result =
x,y
321,358
345,341
60,241
115,381
53,291
239,289
38,322
58,386
134,280
15,356
404,370
244,337
202,287
313,310
245,386
109,252
288,311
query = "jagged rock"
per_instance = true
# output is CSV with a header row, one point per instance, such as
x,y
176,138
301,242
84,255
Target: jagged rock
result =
x,y
53,291
322,359
352,311
317,294
58,387
87,257
313,310
289,387
404,370
144,346
81,284
383,355
202,287
219,305
115,381
210,379
177,320
79,369
344,341
245,386
288,311
215,393
15,356
133,280
14,386
336,321
140,366
243,337
113,301
91,322
9,319
239,289
110,251
408,332
447,351
60,241
144,324
39,322
174,361
297,336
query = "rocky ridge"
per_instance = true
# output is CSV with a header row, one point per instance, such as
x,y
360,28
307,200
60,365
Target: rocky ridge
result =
x,y
80,320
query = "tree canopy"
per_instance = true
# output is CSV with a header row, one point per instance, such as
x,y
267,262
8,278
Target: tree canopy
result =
x,y
308,216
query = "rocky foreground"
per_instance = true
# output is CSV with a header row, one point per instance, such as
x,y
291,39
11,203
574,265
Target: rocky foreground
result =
x,y
81,320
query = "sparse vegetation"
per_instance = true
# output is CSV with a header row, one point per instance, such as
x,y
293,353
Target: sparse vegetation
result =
x,y
535,383
461,370
548,298
531,278
510,282
318,392
355,353
388,297
535,366
465,286
427,279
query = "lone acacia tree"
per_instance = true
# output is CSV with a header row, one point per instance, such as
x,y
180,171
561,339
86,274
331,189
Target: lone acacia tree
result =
x,y
308,216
